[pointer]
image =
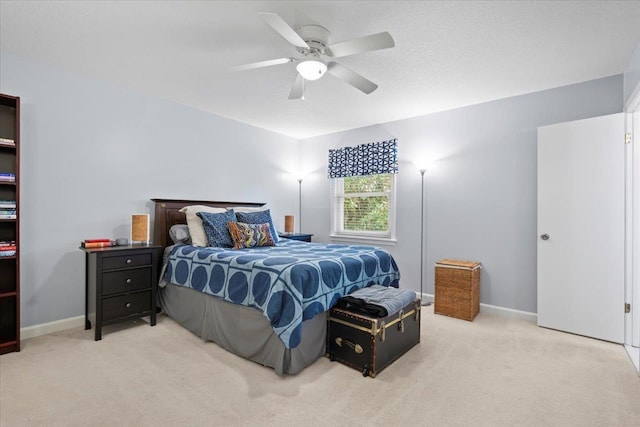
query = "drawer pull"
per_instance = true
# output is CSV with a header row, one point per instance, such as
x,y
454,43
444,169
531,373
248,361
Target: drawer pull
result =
x,y
128,305
128,261
128,281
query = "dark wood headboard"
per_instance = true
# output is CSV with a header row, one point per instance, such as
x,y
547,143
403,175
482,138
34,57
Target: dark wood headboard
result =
x,y
167,214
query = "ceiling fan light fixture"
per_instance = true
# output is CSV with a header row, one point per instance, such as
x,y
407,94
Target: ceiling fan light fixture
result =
x,y
311,69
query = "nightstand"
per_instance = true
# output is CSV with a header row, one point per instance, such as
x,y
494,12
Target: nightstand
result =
x,y
121,283
294,236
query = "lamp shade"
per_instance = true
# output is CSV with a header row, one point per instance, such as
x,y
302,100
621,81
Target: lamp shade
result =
x,y
423,164
312,69
288,223
140,228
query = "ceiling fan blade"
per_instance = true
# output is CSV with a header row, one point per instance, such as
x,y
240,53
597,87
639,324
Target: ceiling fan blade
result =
x,y
351,77
279,24
297,91
262,64
363,44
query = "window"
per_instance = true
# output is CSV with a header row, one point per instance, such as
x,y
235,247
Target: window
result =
x,y
364,190
364,206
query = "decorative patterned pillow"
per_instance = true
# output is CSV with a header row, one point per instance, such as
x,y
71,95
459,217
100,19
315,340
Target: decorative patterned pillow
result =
x,y
196,229
259,217
250,235
215,227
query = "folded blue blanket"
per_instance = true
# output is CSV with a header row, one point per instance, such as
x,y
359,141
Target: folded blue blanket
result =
x,y
378,301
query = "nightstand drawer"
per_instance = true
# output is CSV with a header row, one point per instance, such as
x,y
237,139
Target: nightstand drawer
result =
x,y
114,262
115,282
125,305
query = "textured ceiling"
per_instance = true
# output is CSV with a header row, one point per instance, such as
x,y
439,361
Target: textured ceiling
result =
x,y
447,54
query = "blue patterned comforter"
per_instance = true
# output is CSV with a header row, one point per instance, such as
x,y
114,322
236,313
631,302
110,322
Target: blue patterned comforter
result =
x,y
289,283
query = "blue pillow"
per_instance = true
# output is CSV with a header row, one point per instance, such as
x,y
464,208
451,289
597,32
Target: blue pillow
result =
x,y
258,217
215,227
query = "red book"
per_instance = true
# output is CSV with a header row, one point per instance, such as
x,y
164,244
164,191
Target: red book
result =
x,y
96,240
96,244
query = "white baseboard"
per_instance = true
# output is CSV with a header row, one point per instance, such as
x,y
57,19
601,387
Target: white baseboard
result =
x,y
50,327
500,311
425,297
509,312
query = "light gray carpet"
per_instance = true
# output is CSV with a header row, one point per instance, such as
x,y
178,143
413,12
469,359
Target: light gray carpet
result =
x,y
491,372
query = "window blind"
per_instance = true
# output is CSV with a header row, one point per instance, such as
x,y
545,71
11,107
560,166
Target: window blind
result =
x,y
365,159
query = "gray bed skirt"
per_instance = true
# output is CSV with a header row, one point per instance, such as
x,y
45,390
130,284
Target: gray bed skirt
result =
x,y
242,330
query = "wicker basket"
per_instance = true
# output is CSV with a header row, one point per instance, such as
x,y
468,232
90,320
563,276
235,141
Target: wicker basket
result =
x,y
457,288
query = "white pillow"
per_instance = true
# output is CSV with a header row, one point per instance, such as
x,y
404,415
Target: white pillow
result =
x,y
249,209
196,229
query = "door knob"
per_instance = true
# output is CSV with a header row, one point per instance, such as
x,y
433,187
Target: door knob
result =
x,y
545,236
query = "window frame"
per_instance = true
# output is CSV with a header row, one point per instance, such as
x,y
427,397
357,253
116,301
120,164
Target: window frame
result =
x,y
337,214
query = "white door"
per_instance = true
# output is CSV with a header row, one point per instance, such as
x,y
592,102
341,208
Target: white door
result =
x,y
581,227
634,129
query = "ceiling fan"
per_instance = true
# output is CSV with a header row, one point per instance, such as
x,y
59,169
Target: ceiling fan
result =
x,y
313,43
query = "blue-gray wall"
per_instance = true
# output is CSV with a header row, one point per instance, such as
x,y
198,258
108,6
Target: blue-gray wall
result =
x,y
93,153
632,73
481,191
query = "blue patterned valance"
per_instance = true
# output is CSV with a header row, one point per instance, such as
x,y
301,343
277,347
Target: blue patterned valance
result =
x,y
364,159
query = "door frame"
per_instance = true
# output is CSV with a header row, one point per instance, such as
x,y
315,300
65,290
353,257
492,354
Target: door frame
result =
x,y
632,227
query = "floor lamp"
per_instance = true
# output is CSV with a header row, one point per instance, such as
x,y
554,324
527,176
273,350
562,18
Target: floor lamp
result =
x,y
422,171
300,204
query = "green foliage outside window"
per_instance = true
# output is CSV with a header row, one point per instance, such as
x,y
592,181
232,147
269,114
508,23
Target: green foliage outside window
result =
x,y
362,212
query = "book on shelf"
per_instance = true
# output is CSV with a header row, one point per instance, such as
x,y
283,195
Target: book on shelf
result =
x,y
7,213
8,247
7,141
89,245
7,204
14,216
96,240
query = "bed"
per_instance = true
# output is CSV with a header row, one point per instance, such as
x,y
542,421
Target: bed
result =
x,y
270,304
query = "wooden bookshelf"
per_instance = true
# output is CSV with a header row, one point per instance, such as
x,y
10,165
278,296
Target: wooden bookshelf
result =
x,y
10,228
